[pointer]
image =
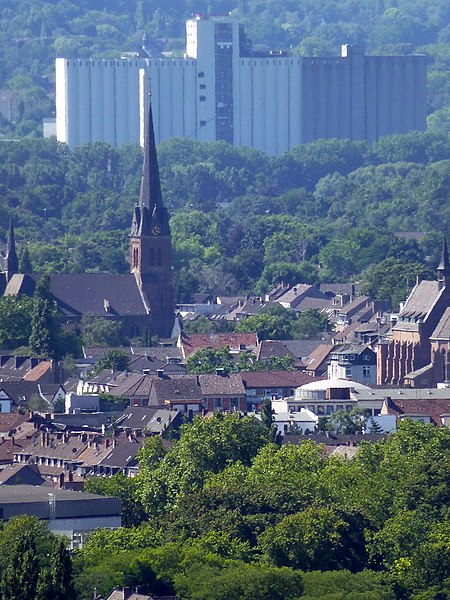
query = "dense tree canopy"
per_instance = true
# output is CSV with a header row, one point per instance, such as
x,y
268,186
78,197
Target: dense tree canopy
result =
x,y
230,513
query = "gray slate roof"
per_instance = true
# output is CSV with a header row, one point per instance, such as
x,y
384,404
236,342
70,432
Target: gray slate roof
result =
x,y
77,294
420,300
442,330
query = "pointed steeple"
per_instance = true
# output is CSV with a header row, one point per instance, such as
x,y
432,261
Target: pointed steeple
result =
x,y
444,265
443,269
150,183
12,262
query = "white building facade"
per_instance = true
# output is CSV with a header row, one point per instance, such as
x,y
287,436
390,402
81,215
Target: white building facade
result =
x,y
221,90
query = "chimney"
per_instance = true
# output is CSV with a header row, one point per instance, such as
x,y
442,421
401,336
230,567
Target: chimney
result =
x,y
4,359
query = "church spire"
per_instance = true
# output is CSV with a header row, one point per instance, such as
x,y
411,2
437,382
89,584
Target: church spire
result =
x,y
150,195
150,184
444,266
12,262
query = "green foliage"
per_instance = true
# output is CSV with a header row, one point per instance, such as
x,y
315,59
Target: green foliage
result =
x,y
346,422
119,486
205,448
318,538
242,582
124,538
35,563
209,360
46,330
235,516
114,359
15,321
278,323
392,279
20,578
102,332
204,325
339,585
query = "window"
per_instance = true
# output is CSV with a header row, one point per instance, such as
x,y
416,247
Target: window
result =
x,y
234,402
202,86
366,371
201,74
330,410
348,371
202,98
202,123
217,402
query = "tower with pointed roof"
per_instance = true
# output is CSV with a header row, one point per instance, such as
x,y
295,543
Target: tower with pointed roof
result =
x,y
443,270
151,244
11,260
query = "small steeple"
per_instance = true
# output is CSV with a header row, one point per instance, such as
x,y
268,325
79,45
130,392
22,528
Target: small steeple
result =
x,y
12,262
444,266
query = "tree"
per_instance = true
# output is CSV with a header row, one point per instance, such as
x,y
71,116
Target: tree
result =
x,y
115,360
45,326
20,578
346,422
101,332
209,360
391,280
15,321
318,538
275,323
61,573
240,582
205,447
310,323
25,265
122,487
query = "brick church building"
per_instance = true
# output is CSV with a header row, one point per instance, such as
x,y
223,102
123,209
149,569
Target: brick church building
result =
x,y
142,300
418,353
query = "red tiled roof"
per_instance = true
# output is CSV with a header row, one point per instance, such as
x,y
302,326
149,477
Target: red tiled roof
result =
x,y
428,407
38,371
190,343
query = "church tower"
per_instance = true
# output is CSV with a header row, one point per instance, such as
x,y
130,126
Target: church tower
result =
x,y
151,244
443,270
11,260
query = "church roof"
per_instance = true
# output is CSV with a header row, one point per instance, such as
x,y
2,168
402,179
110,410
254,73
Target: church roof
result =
x,y
442,330
100,294
421,300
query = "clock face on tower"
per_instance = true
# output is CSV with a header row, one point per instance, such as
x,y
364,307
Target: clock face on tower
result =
x,y
156,230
